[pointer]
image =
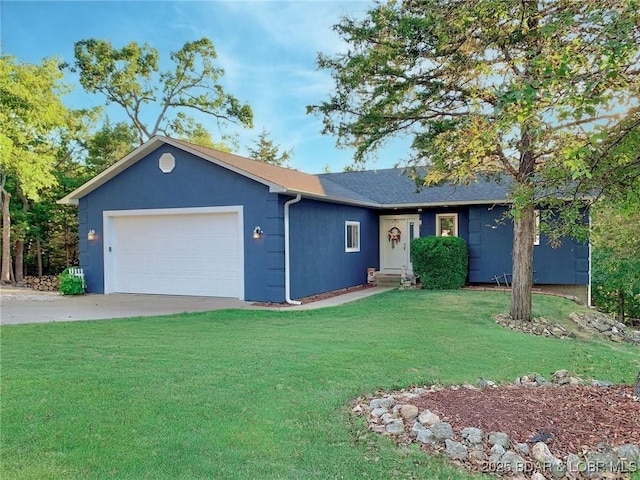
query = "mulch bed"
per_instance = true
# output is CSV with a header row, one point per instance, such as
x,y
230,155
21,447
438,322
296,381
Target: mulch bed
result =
x,y
579,418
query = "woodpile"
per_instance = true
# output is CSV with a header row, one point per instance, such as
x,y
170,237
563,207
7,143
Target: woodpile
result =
x,y
47,283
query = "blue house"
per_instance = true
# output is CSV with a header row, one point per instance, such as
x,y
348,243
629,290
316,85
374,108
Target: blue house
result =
x,y
176,218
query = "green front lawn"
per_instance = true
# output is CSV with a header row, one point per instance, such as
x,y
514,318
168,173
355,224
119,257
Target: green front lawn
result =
x,y
258,394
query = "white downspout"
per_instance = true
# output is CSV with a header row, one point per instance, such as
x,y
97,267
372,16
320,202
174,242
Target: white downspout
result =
x,y
589,293
287,268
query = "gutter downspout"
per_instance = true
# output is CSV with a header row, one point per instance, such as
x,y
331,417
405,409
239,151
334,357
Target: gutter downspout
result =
x,y
589,292
287,268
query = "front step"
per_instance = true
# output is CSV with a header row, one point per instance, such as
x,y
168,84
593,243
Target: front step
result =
x,y
387,280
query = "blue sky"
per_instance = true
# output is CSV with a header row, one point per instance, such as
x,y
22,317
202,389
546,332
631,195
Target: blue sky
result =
x,y
268,50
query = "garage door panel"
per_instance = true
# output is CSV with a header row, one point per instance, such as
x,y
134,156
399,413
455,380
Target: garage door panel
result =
x,y
178,254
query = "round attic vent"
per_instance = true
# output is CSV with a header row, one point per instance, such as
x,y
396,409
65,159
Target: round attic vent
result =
x,y
167,163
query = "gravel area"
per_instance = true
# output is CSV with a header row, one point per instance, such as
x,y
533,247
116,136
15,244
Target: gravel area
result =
x,y
24,294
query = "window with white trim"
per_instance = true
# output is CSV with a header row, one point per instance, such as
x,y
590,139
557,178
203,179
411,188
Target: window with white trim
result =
x,y
351,236
536,227
446,224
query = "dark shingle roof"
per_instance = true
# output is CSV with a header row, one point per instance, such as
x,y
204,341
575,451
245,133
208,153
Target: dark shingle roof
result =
x,y
392,187
375,188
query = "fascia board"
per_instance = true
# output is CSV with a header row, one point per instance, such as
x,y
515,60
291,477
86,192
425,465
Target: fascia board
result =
x,y
383,206
143,150
99,180
456,203
273,187
326,198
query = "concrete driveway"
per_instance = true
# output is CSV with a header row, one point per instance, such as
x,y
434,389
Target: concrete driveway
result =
x,y
23,305
19,305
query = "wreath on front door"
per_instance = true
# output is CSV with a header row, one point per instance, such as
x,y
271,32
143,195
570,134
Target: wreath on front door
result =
x,y
394,236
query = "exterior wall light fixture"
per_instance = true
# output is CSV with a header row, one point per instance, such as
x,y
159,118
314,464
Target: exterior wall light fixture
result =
x,y
91,235
257,232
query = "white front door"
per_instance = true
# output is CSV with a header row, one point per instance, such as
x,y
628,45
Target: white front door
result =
x,y
396,232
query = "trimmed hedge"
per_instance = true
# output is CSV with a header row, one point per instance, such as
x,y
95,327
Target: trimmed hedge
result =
x,y
442,263
70,284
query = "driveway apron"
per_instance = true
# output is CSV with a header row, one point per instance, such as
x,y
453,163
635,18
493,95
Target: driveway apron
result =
x,y
19,306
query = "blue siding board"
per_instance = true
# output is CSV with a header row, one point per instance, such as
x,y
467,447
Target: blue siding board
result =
x,y
318,259
582,265
319,262
193,183
490,252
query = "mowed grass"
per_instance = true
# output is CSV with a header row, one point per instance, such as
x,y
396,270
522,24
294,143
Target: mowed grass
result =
x,y
259,394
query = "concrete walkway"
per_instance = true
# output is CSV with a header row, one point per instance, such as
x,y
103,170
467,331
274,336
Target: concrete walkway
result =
x,y
20,305
332,301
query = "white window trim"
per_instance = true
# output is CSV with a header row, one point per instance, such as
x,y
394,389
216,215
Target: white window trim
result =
x,y
536,227
445,215
348,224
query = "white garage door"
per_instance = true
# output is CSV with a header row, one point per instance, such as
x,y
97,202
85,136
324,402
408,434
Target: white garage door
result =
x,y
175,254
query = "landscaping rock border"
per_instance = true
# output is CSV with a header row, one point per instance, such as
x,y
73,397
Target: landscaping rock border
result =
x,y
596,323
610,328
494,452
538,326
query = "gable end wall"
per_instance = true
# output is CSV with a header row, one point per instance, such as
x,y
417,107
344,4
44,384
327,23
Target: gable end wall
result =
x,y
194,182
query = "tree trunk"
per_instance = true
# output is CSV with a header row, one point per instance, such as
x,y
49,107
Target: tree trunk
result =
x,y
522,255
5,273
19,261
620,309
39,256
67,253
19,246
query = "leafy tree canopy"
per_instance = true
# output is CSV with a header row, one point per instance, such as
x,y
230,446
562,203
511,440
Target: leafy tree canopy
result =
x,y
155,101
267,151
30,111
616,230
108,145
527,90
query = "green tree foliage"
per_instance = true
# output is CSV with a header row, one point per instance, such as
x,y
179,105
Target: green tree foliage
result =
x,y
527,90
45,233
616,249
108,145
442,263
154,101
265,150
615,284
31,111
198,135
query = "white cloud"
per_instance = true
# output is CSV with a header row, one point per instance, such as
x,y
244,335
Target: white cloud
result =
x,y
304,25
